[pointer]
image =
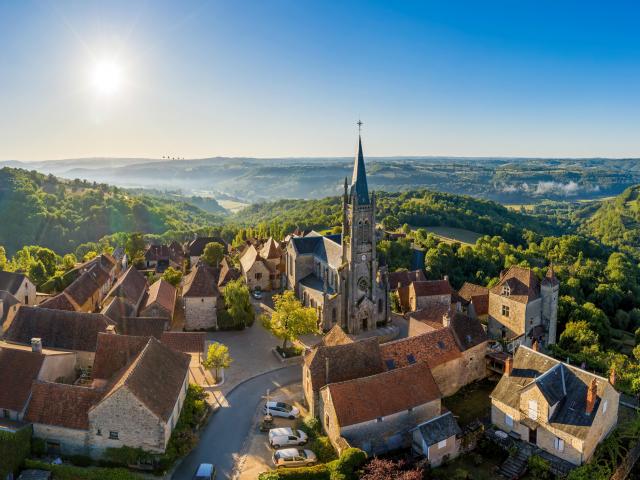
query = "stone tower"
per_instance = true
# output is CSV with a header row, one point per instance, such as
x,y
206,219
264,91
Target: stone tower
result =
x,y
365,294
549,291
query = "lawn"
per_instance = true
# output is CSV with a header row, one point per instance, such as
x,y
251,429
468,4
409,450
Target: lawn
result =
x,y
471,402
450,234
464,467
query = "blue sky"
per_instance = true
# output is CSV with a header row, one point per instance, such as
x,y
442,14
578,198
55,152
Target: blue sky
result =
x,y
290,78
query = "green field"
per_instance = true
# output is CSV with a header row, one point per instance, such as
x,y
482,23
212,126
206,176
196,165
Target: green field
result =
x,y
232,205
450,234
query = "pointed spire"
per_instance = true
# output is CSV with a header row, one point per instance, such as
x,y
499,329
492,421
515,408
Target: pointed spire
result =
x,y
359,180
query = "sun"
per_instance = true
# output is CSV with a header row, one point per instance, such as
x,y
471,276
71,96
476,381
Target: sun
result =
x,y
106,77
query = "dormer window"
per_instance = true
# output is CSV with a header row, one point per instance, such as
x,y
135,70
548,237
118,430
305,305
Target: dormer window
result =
x,y
506,290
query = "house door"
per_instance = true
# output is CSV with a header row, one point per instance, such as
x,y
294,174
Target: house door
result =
x,y
533,435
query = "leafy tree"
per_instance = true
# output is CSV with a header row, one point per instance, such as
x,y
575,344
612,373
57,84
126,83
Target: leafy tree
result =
x,y
217,357
3,258
173,276
237,303
89,256
37,273
68,261
213,253
135,246
290,318
391,223
578,335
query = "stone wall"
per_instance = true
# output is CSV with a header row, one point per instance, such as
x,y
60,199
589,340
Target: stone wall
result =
x,y
200,313
26,293
72,442
258,269
418,302
522,316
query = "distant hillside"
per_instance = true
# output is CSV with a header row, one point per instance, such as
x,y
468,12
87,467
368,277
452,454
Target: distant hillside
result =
x,y
44,210
419,208
617,221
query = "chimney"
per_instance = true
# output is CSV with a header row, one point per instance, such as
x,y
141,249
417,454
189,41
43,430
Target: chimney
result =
x,y
612,376
446,278
508,366
111,329
534,345
591,396
446,319
326,371
36,345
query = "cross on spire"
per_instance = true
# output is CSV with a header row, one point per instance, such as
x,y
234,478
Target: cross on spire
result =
x,y
359,123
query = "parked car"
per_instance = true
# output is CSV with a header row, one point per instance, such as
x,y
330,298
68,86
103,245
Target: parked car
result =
x,y
294,457
280,409
257,294
205,471
279,437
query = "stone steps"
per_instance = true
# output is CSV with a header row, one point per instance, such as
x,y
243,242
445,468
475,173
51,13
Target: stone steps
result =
x,y
514,466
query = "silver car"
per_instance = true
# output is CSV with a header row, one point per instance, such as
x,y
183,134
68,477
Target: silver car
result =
x,y
280,409
294,457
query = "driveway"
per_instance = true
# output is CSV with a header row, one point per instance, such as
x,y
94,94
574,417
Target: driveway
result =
x,y
223,438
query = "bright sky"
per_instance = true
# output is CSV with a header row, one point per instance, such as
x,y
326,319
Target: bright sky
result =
x,y
290,78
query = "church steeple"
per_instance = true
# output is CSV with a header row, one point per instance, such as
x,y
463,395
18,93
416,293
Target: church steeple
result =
x,y
359,180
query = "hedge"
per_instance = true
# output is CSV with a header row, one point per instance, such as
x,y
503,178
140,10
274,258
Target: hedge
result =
x,y
14,448
317,472
68,472
345,468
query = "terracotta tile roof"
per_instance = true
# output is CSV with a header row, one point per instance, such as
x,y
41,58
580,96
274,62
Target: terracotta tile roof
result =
x,y
347,361
18,370
227,272
86,285
57,328
404,278
434,348
467,331
114,352
163,294
61,405
142,326
196,247
60,302
11,281
201,282
156,377
477,294
249,257
187,342
118,308
271,249
131,286
432,315
367,398
428,288
523,285
335,336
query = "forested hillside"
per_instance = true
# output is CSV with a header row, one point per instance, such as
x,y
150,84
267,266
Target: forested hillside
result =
x,y
36,209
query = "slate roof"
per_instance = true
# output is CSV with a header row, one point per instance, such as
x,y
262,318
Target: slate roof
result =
x,y
114,352
142,326
57,328
187,342
439,428
523,284
359,188
434,348
61,405
325,248
313,282
131,286
553,378
11,281
367,398
271,249
200,282
467,331
18,370
346,361
163,294
155,377
477,294
196,247
404,278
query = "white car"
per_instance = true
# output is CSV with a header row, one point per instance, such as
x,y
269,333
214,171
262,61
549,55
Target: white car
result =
x,y
280,409
279,437
294,457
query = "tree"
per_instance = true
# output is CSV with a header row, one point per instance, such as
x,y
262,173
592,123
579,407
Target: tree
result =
x,y
90,255
391,223
68,261
173,276
213,253
3,258
290,318
135,246
238,304
217,357
37,273
577,336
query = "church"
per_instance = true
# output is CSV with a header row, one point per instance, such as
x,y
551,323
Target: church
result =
x,y
339,274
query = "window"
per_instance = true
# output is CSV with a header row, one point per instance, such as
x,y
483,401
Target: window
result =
x,y
26,299
390,364
604,407
505,310
508,419
379,305
379,419
99,432
506,291
113,435
442,443
533,409
326,420
411,359
558,444
258,276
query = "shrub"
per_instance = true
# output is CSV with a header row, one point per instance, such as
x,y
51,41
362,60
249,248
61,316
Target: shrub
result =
x,y
317,472
310,425
322,447
539,468
68,472
351,460
81,460
14,448
38,447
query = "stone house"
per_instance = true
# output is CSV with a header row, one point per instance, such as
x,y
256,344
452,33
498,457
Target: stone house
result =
x,y
18,285
59,330
83,295
377,412
404,278
437,438
258,272
130,288
561,409
195,249
160,301
335,359
523,309
228,272
200,296
137,405
477,300
20,367
425,294
161,257
8,308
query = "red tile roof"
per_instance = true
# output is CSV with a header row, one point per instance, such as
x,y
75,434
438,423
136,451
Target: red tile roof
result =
x,y
434,348
367,398
61,405
163,294
201,282
114,352
131,286
478,295
404,278
60,302
18,370
428,288
187,342
523,285
141,326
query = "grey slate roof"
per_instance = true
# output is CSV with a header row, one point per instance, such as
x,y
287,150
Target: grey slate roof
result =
x,y
552,384
359,188
439,428
315,283
11,281
326,248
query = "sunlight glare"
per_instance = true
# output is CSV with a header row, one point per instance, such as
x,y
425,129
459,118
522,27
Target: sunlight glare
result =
x,y
106,77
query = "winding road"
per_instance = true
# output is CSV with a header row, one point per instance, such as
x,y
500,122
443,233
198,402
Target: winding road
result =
x,y
223,437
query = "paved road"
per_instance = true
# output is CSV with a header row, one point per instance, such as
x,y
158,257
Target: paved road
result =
x,y
224,435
